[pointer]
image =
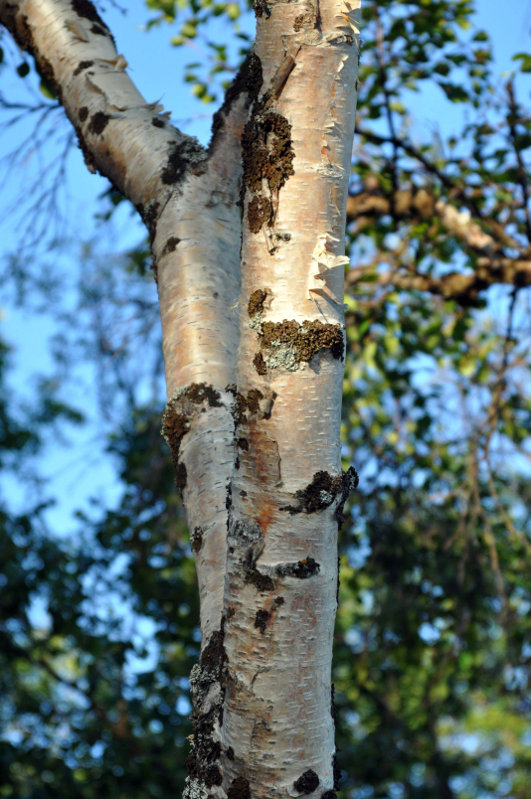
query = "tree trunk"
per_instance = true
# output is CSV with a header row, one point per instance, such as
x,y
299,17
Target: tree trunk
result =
x,y
248,246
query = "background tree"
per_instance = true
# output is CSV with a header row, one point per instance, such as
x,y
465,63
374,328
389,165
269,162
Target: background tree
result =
x,y
432,665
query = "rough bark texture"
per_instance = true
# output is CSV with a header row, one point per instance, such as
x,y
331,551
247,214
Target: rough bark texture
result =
x,y
248,245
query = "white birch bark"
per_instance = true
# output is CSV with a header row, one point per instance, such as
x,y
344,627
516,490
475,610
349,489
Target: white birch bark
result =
x,y
251,302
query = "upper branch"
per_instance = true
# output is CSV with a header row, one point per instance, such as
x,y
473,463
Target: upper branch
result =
x,y
121,135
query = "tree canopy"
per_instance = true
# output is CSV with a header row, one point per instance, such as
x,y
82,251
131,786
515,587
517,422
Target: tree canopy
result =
x,y
98,623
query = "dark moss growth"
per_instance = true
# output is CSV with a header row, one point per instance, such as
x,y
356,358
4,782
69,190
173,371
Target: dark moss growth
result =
x,y
239,789
98,122
307,782
256,301
170,245
183,156
205,750
196,539
212,776
249,81
259,212
267,153
301,569
82,66
260,364
261,619
83,113
197,392
157,123
306,340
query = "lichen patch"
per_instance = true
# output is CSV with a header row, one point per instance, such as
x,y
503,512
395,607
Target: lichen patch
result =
x,y
289,343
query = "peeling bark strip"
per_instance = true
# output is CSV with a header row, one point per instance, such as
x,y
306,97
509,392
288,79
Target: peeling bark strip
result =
x,y
253,414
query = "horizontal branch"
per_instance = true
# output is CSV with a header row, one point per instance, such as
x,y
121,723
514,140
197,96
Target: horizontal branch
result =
x,y
454,286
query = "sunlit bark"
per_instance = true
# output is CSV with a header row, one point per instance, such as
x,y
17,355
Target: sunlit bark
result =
x,y
248,247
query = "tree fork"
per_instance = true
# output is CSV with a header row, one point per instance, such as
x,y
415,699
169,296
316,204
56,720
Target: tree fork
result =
x,y
248,245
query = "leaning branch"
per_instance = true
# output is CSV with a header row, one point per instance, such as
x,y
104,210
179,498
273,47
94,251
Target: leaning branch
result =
x,y
121,135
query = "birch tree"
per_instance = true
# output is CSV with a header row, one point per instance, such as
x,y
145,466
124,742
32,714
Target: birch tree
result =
x,y
247,240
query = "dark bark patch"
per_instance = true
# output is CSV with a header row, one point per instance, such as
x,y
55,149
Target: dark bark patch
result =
x,y
301,569
244,404
198,392
336,771
83,113
176,422
261,619
25,37
99,31
212,776
323,490
262,582
261,8
98,122
46,70
87,155
279,600
243,443
249,81
170,245
196,539
329,795
260,364
213,655
157,123
182,156
307,782
230,753
174,426
85,9
150,215
239,789
82,66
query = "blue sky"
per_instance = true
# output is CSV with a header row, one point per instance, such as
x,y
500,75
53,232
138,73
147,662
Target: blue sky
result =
x,y
79,468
